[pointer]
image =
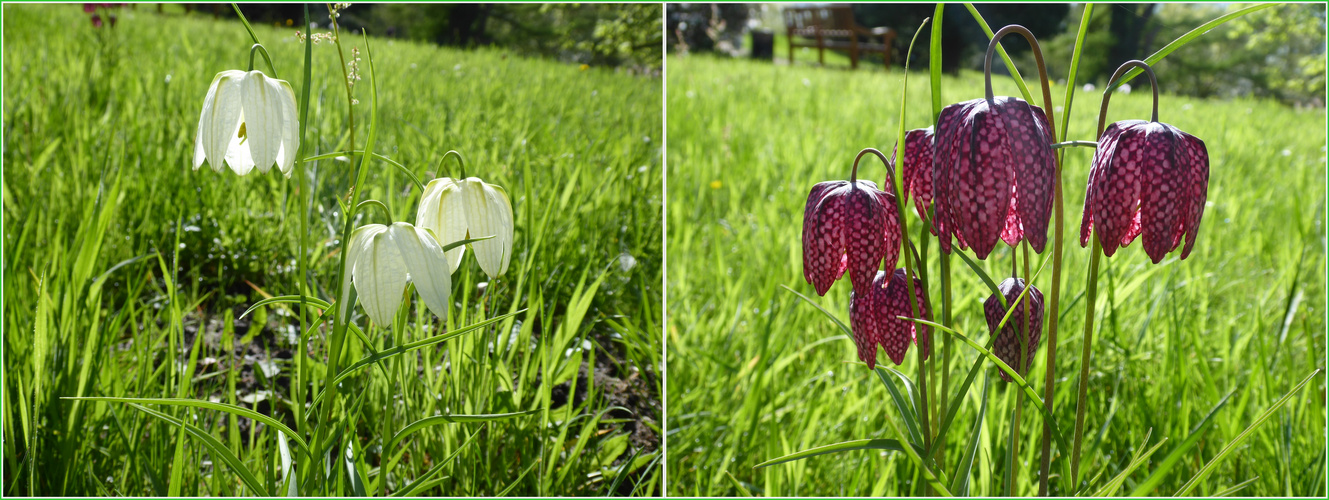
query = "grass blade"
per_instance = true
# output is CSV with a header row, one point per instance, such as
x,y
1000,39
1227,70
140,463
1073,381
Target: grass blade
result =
x,y
288,479
194,403
424,478
1209,467
216,447
861,444
451,419
1236,487
960,482
1185,39
934,61
1136,461
1174,457
908,411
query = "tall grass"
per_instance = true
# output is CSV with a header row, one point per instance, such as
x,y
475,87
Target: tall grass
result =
x,y
756,373
125,273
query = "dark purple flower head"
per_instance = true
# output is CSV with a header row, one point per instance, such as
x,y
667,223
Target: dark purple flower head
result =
x,y
918,146
993,174
96,21
1007,345
1150,179
873,318
848,226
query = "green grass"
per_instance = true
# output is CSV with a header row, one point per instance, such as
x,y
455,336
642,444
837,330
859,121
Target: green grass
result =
x,y
125,273
755,373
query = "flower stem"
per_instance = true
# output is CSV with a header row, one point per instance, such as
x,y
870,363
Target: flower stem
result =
x,y
1025,335
1090,295
460,161
945,259
257,47
302,287
1082,144
338,336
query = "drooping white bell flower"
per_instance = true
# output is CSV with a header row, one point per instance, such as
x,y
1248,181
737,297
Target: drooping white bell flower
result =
x,y
381,259
248,120
469,208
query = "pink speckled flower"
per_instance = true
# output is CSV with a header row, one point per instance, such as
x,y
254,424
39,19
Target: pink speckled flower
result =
x,y
1150,179
993,174
1007,345
873,318
848,226
918,147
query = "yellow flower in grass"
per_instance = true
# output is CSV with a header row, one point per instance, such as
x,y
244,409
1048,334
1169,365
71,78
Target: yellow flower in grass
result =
x,y
248,120
382,259
467,209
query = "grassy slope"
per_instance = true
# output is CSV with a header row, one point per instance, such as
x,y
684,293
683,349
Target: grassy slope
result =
x,y
754,373
99,125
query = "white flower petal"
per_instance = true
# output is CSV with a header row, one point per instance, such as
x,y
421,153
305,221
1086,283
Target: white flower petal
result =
x,y
489,213
427,266
220,119
442,211
237,153
263,119
380,278
359,239
290,136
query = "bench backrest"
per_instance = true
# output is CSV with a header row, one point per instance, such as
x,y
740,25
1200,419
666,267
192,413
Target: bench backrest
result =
x,y
826,17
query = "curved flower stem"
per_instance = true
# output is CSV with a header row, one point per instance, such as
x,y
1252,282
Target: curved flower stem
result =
x,y
460,161
378,204
257,47
1113,83
1038,58
1091,293
1057,223
914,311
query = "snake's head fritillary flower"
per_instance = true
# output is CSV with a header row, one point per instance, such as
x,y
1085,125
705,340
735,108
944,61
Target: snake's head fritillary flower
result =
x,y
848,226
874,318
1007,345
993,174
466,209
248,120
1150,179
382,259
919,144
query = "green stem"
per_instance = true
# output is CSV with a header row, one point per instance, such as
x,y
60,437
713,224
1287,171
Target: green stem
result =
x,y
301,267
460,161
378,204
257,47
338,336
945,259
1090,295
1077,144
1025,334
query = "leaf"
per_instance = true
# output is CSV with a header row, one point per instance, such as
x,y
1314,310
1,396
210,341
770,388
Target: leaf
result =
x,y
424,478
287,299
357,480
1174,457
194,403
414,178
1185,39
1136,461
214,446
934,63
905,406
450,419
960,483
1209,467
861,444
287,466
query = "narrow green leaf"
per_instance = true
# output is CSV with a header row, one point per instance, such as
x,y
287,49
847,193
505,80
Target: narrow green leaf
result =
x,y
861,444
1185,39
737,485
1236,487
1232,445
905,407
286,299
353,473
288,479
414,178
1137,460
1146,487
424,478
960,482
214,446
934,61
194,403
451,419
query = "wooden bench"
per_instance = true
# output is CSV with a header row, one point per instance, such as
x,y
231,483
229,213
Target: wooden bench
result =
x,y
833,27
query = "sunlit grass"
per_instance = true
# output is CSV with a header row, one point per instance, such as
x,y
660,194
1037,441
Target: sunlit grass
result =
x,y
99,132
755,373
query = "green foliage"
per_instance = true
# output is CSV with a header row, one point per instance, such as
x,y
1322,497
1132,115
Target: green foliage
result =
x,y
125,271
756,374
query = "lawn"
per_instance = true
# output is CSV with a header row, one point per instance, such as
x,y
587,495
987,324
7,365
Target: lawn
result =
x,y
126,274
756,373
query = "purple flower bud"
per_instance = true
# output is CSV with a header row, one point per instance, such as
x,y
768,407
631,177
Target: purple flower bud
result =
x,y
1007,345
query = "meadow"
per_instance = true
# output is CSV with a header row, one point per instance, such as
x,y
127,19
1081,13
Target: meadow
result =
x,y
126,274
1188,354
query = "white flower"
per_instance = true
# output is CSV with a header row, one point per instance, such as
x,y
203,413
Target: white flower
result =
x,y
248,120
470,208
381,259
